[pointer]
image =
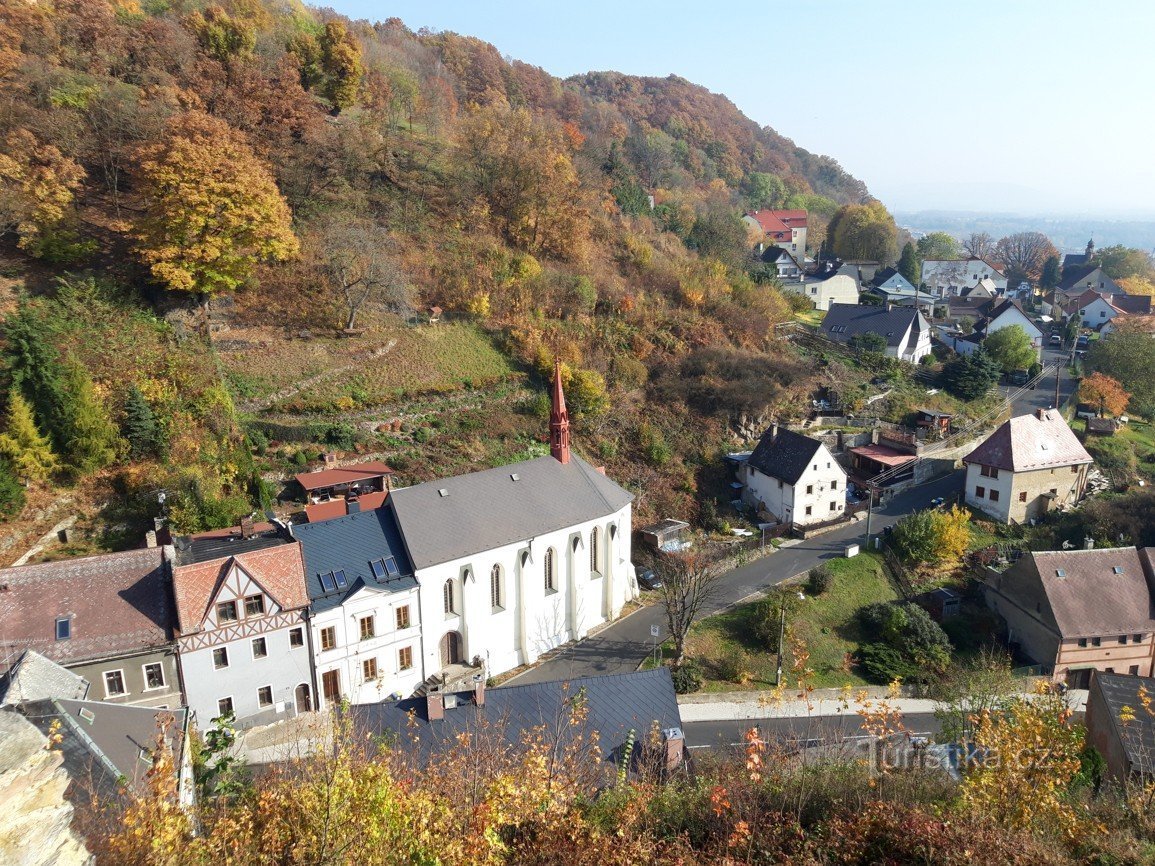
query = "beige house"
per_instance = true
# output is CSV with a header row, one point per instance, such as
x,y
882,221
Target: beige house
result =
x,y
1078,611
1028,466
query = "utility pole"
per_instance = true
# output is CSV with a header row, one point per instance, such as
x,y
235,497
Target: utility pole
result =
x,y
781,638
869,510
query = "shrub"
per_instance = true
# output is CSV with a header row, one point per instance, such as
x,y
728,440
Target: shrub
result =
x,y
687,678
883,663
734,666
11,493
767,617
905,642
820,580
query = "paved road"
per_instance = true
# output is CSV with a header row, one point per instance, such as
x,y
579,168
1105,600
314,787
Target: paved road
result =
x,y
1043,397
621,647
828,729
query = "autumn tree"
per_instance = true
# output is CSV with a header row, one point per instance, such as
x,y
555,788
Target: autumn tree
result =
x,y
519,168
1102,391
763,190
362,267
340,60
909,265
37,187
937,246
969,687
212,209
1128,357
1023,255
27,450
1011,348
221,36
1137,286
933,537
688,586
1120,262
979,245
864,231
92,438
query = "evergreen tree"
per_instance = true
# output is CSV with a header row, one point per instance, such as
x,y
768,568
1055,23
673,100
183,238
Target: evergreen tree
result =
x,y
11,493
38,373
1050,277
909,265
140,427
970,376
26,449
92,437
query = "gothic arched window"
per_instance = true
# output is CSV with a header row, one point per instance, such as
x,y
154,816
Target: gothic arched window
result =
x,y
550,571
595,551
495,587
448,600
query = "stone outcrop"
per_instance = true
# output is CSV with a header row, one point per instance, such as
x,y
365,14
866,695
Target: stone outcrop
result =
x,y
35,819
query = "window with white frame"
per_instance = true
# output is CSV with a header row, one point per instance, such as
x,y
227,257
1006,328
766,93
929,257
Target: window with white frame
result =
x,y
114,684
221,657
260,648
296,638
153,676
265,696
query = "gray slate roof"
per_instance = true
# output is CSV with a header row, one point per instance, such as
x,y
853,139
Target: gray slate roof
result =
x,y
36,678
783,454
843,321
616,704
486,510
1138,735
351,543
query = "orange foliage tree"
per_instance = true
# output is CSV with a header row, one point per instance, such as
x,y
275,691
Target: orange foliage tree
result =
x,y
1100,389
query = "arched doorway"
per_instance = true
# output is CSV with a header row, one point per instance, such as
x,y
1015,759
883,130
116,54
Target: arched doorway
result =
x,y
451,649
304,698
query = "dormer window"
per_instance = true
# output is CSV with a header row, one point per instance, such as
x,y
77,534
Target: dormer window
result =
x,y
63,628
227,611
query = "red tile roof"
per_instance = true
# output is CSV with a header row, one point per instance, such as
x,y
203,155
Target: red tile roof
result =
x,y
280,571
779,221
343,475
1038,441
117,603
338,508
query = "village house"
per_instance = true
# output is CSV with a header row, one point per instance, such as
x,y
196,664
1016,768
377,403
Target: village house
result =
x,y
1077,260
787,266
794,478
905,329
944,277
783,228
828,287
994,315
243,632
1120,726
1088,277
516,560
329,490
108,619
365,605
890,278
1097,309
1078,611
1028,466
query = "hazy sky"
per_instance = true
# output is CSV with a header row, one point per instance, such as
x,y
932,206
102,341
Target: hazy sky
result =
x,y
1018,105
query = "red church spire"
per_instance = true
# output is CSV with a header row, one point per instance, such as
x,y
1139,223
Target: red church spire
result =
x,y
558,419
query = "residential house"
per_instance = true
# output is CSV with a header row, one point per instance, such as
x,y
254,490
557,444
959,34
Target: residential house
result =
x,y
945,277
992,315
828,287
109,619
933,421
783,228
903,297
1079,280
984,288
794,478
1076,611
1120,726
786,264
1030,465
865,271
1097,309
906,330
890,278
328,491
620,709
516,560
243,630
365,604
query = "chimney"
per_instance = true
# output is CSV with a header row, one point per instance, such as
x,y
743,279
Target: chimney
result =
x,y
434,706
889,307
1088,543
352,504
1041,414
246,527
330,458
479,691
150,538
675,743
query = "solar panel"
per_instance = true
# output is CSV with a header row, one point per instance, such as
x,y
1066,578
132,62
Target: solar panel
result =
x,y
339,576
378,568
327,583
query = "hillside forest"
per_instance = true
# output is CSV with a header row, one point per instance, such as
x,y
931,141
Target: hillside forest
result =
x,y
225,226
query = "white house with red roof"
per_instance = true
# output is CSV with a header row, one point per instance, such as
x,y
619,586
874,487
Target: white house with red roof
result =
x,y
783,228
1097,309
1030,465
243,631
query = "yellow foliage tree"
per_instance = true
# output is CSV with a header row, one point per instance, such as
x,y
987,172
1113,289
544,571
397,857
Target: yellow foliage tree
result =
x,y
1136,286
213,209
24,445
1100,389
37,186
1029,755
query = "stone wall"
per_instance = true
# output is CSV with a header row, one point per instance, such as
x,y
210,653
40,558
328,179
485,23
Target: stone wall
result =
x,y
35,819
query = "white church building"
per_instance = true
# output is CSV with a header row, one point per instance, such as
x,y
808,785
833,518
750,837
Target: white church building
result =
x,y
513,561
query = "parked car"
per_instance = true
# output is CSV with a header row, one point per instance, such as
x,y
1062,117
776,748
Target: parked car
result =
x,y
648,580
1082,342
1056,340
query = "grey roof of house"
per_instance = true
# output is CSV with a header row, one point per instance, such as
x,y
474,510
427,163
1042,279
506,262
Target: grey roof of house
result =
x,y
36,678
351,543
1137,735
1074,260
894,278
105,741
1083,593
1029,442
783,454
191,550
865,318
775,255
616,704
1076,275
485,510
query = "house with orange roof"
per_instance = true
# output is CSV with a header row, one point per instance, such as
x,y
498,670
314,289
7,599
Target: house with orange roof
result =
x,y
242,630
783,228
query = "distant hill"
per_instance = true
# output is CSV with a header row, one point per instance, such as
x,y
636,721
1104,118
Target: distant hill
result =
x,y
1069,234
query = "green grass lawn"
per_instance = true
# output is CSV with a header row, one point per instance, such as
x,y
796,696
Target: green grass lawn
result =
x,y
811,317
827,624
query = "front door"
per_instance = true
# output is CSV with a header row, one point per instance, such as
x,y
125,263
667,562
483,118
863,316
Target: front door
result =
x,y
451,649
303,698
331,687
